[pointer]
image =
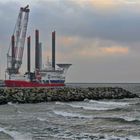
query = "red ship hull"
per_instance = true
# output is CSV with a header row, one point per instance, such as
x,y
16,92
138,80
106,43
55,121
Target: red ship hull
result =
x,y
15,83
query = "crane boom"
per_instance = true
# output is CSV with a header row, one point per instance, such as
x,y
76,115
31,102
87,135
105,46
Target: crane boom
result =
x,y
14,60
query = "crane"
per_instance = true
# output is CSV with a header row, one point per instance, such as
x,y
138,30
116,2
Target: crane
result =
x,y
16,48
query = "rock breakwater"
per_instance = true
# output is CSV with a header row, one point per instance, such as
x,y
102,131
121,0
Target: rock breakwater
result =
x,y
36,95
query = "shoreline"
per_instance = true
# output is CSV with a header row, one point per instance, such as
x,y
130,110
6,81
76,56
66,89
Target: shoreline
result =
x,y
62,94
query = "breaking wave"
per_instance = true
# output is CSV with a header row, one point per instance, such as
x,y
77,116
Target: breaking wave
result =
x,y
60,103
41,119
16,135
109,103
89,107
96,105
113,118
73,115
120,119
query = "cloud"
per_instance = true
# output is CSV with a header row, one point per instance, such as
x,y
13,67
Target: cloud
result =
x,y
67,40
115,50
131,2
71,47
69,19
98,3
93,52
106,4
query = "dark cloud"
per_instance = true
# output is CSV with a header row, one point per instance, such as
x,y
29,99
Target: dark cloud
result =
x,y
70,19
120,25
8,16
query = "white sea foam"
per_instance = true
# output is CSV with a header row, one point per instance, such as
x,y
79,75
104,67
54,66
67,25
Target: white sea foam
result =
x,y
95,105
130,119
89,107
41,119
12,104
86,136
59,103
109,103
16,135
85,106
19,112
125,118
68,114
134,138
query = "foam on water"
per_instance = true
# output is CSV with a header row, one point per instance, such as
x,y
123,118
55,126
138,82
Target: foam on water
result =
x,y
41,119
15,106
85,107
134,138
16,135
109,103
68,114
89,136
130,119
90,106
118,118
113,118
96,105
59,103
12,104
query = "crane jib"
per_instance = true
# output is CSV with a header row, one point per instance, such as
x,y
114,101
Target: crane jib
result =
x,y
14,60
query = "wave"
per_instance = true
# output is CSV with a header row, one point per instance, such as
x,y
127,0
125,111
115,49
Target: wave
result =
x,y
15,105
12,104
96,105
134,138
109,103
122,138
87,136
73,115
16,135
120,119
99,102
60,103
117,109
130,119
86,107
137,104
41,119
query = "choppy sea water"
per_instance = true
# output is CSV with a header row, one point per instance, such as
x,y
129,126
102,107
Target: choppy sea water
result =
x,y
86,120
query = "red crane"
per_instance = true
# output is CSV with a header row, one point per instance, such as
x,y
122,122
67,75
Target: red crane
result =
x,y
16,48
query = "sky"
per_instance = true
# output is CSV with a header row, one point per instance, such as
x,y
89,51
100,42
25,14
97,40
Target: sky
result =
x,y
100,38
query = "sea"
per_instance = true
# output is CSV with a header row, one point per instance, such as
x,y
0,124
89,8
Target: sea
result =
x,y
85,120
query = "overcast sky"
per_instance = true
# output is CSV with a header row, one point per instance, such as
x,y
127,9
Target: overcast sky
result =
x,y
101,38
